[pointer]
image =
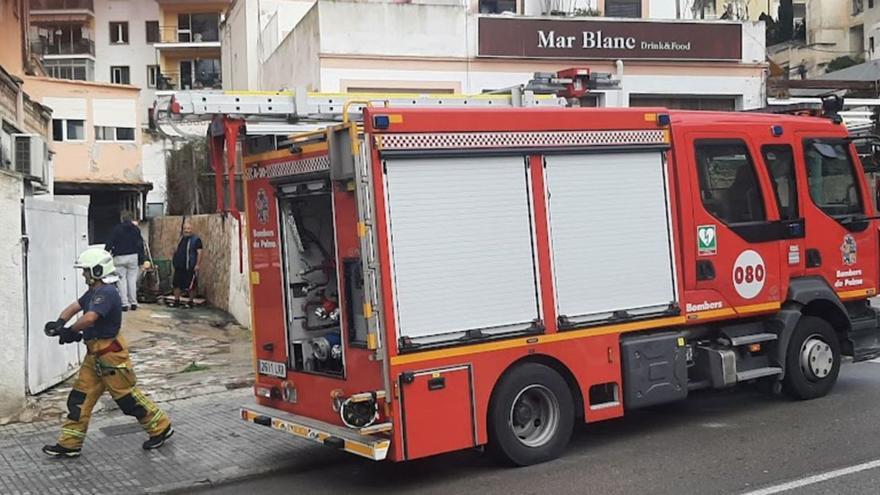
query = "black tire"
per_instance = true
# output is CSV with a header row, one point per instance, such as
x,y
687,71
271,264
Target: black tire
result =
x,y
801,383
522,383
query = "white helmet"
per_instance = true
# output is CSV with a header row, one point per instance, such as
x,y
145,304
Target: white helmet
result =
x,y
99,263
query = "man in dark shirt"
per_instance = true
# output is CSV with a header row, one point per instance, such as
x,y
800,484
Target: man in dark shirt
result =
x,y
107,365
187,261
127,247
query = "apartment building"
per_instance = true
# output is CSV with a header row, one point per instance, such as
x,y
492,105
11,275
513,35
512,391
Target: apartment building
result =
x,y
440,46
152,45
828,33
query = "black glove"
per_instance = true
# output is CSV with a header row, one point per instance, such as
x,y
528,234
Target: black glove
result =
x,y
68,336
53,327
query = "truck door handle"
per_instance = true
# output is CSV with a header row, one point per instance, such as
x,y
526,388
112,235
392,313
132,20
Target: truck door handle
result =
x,y
437,383
705,270
814,258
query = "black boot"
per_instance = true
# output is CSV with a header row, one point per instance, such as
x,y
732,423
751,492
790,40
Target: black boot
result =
x,y
159,440
60,451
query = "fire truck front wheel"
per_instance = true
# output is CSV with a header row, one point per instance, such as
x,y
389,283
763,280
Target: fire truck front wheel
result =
x,y
812,360
531,415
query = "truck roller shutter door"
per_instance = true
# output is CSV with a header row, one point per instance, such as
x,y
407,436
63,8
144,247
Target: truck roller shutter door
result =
x,y
461,246
610,234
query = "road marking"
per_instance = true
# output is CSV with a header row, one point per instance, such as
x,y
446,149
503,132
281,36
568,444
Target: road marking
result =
x,y
818,478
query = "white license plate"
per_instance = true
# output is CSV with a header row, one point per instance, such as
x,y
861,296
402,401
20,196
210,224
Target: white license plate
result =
x,y
272,368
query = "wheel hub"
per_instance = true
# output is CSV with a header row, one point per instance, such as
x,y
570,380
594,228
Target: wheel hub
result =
x,y
817,358
534,415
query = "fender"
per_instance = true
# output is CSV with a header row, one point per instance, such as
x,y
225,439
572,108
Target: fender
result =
x,y
802,292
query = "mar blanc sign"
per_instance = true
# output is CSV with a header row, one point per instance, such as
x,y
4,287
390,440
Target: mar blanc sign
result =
x,y
573,39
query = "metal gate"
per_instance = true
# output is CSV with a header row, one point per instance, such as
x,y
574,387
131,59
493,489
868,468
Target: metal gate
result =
x,y
56,234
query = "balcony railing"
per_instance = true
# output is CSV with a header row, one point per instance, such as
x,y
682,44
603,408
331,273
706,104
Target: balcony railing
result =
x,y
171,81
63,5
79,47
170,34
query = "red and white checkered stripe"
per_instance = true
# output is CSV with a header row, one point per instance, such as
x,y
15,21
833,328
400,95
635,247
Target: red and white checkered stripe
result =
x,y
290,167
464,140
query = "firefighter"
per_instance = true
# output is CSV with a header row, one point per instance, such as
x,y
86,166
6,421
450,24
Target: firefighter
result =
x,y
107,365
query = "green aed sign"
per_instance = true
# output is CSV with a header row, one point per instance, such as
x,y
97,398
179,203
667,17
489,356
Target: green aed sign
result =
x,y
707,241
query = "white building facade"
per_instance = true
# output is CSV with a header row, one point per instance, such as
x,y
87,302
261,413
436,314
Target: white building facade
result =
x,y
450,47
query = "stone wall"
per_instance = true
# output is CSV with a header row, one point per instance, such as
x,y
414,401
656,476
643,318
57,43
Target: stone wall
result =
x,y
222,281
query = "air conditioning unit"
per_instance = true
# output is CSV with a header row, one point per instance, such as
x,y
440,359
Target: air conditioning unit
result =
x,y
31,156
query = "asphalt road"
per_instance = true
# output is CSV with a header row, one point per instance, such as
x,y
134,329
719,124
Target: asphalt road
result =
x,y
736,441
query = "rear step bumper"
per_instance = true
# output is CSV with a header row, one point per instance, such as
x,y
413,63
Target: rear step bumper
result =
x,y
375,448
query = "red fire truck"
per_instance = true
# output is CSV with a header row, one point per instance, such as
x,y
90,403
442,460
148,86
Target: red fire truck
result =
x,y
437,279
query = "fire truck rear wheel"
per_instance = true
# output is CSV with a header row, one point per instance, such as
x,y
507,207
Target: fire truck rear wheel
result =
x,y
531,415
812,360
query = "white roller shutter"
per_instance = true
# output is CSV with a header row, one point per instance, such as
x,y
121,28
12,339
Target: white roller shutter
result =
x,y
115,112
66,108
461,242
610,234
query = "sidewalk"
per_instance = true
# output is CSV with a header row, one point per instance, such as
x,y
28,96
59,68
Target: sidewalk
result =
x,y
177,354
211,445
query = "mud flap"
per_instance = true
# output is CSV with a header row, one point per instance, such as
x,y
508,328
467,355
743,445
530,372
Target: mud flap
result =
x,y
865,337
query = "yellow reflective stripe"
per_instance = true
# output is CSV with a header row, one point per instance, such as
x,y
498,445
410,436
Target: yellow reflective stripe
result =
x,y
712,313
755,308
73,433
159,414
533,340
855,294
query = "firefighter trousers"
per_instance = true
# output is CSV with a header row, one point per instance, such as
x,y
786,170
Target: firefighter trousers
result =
x,y
110,371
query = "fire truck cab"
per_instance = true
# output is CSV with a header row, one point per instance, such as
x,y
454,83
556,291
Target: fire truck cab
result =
x,y
438,279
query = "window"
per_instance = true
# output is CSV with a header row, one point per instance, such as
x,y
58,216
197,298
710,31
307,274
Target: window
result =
x,y
623,8
70,68
125,133
871,45
76,130
858,6
870,4
152,76
57,130
104,133
497,6
68,130
780,164
119,33
728,184
198,28
120,74
152,31
694,102
831,176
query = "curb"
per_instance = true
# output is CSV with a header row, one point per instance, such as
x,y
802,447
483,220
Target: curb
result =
x,y
205,483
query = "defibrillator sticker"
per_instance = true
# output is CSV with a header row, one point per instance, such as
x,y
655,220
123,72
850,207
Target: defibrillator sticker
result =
x,y
707,242
749,274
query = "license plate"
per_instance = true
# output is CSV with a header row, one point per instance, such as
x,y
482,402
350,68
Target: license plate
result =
x,y
272,368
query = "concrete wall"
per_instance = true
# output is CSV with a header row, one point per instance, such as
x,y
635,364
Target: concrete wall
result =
x,y
13,332
295,63
253,30
872,29
239,67
11,15
222,282
153,153
91,160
